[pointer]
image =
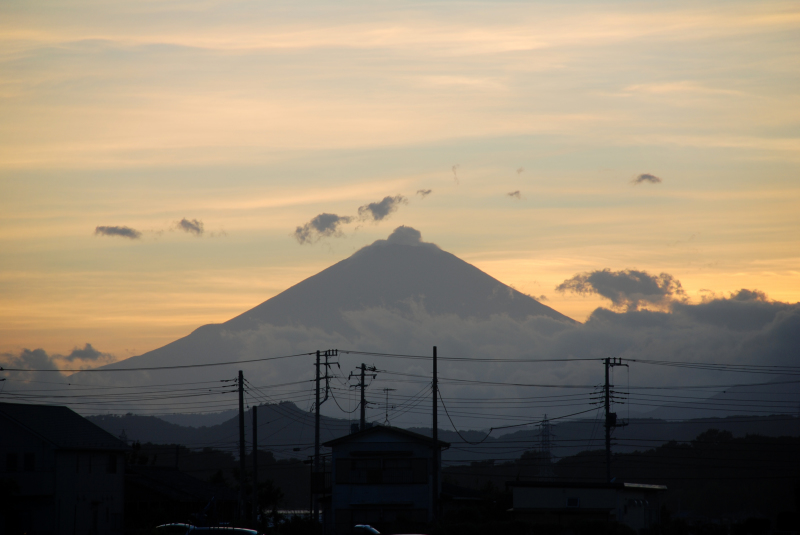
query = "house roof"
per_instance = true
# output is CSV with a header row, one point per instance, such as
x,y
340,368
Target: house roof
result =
x,y
404,433
585,485
60,426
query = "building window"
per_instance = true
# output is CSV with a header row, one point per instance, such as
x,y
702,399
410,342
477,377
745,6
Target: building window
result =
x,y
573,502
29,462
12,462
111,465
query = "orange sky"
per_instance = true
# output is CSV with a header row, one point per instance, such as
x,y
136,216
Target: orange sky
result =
x,y
256,118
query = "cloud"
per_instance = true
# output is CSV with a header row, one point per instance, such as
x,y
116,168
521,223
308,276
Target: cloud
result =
x,y
520,170
50,364
748,295
424,192
724,331
192,226
646,177
402,235
377,211
627,288
515,194
87,353
324,225
125,232
455,175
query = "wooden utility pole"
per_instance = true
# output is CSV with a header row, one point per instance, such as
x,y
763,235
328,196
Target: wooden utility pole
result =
x,y
316,445
611,417
255,464
435,463
242,467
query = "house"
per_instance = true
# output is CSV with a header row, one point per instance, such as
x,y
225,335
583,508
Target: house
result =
x,y
60,473
382,476
569,504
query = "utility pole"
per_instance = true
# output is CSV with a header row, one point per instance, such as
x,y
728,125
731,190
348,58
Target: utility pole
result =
x,y
435,463
316,445
316,471
242,468
363,384
611,417
255,465
363,399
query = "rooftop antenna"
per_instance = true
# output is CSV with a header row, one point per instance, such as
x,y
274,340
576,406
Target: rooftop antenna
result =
x,y
387,390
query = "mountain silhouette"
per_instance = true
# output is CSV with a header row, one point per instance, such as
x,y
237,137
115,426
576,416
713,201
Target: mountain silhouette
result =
x,y
399,273
394,273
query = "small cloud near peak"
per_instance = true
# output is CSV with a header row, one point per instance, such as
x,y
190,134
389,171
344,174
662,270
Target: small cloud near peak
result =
x,y
404,235
424,192
323,225
646,177
377,211
121,231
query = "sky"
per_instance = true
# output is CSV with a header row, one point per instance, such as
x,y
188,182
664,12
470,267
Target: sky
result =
x,y
157,158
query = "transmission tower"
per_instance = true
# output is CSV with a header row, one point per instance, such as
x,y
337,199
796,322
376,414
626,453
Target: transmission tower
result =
x,y
545,443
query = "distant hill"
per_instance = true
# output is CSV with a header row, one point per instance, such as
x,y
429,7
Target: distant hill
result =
x,y
288,432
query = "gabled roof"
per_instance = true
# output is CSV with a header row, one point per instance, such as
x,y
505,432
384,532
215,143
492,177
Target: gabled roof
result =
x,y
404,433
60,426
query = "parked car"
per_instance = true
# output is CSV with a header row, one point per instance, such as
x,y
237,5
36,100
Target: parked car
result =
x,y
188,529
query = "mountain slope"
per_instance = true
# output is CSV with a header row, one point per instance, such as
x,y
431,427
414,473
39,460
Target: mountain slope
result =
x,y
391,273
395,274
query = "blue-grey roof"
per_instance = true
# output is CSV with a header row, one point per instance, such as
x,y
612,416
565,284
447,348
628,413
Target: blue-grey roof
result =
x,y
405,433
60,426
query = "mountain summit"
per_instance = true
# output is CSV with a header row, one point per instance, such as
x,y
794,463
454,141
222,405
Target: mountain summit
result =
x,y
393,273
401,274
